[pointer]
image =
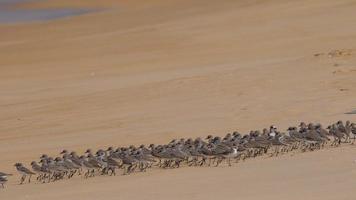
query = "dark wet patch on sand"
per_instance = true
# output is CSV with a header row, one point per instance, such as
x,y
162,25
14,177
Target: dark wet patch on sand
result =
x,y
9,15
352,112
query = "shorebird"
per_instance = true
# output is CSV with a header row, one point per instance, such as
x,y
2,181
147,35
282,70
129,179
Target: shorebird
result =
x,y
348,129
313,138
322,132
192,152
303,127
278,142
342,128
221,151
41,171
75,159
129,161
338,135
353,131
94,161
3,180
57,170
233,153
4,175
73,167
24,172
272,131
86,165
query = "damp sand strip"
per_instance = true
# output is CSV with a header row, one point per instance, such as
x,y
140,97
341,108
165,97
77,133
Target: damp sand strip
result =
x,y
351,113
23,16
9,15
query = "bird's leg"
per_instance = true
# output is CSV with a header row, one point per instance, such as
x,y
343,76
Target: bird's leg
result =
x,y
128,169
334,142
43,180
201,162
353,140
229,161
124,168
23,179
86,174
79,171
145,165
275,151
237,158
192,162
178,163
163,164
104,171
49,178
217,162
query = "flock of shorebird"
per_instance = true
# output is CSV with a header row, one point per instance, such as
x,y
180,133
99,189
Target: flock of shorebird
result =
x,y
191,152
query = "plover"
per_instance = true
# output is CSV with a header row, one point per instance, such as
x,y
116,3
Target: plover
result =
x,y
129,162
42,172
303,127
4,175
24,172
322,132
348,129
353,131
74,168
3,180
86,165
186,151
272,131
336,133
342,128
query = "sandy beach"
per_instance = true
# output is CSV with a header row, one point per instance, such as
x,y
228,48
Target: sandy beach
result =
x,y
141,72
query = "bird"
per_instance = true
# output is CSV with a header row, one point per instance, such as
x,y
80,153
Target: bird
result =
x,y
24,172
4,175
40,170
188,151
342,128
3,180
353,131
338,135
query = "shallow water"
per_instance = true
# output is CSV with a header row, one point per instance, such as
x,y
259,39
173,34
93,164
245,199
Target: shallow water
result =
x,y
9,16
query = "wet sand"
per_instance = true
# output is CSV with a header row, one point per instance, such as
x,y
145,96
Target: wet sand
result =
x,y
9,14
148,72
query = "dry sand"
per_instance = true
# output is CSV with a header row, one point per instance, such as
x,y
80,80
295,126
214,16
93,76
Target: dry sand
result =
x,y
148,71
